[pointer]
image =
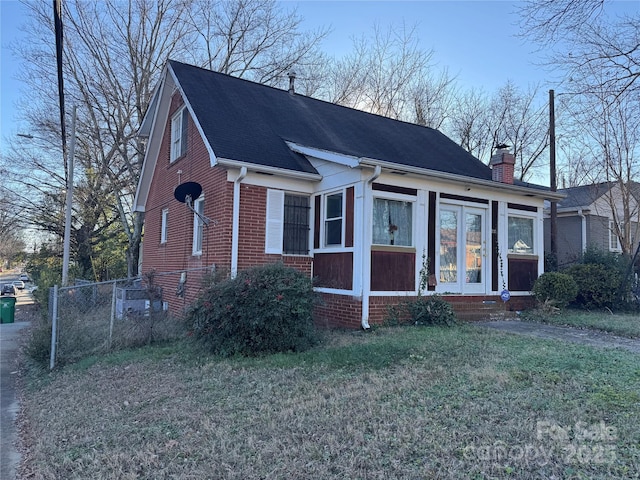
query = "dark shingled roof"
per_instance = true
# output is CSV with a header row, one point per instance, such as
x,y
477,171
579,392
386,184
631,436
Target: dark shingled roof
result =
x,y
250,122
583,195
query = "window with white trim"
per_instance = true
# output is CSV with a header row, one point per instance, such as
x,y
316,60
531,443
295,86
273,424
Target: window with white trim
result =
x,y
614,240
163,225
198,225
333,214
179,123
521,235
287,227
392,222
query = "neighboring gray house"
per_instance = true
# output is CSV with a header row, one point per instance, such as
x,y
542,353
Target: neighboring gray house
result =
x,y
593,215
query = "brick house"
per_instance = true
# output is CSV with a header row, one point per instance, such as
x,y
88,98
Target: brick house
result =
x,y
361,202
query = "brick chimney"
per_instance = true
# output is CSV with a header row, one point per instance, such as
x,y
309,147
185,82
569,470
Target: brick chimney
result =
x,y
502,165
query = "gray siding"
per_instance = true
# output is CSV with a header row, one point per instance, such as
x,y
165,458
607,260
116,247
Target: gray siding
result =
x,y
598,232
569,239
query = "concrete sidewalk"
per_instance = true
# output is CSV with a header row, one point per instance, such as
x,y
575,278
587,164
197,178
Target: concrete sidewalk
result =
x,y
10,340
11,335
593,338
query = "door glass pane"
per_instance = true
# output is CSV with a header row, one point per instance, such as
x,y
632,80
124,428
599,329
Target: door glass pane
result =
x,y
448,246
473,228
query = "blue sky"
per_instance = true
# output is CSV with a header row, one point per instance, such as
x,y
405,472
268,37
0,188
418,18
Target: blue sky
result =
x,y
475,40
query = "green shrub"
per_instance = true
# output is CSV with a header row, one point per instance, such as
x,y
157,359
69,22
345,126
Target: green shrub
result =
x,y
557,289
598,285
431,310
265,309
424,310
597,256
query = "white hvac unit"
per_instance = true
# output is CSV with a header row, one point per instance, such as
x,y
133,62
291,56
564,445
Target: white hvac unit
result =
x,y
134,301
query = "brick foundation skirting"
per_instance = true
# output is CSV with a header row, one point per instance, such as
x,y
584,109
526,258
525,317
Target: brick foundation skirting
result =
x,y
345,311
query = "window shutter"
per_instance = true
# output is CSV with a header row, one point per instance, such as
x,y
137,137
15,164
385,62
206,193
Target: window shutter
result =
x,y
274,222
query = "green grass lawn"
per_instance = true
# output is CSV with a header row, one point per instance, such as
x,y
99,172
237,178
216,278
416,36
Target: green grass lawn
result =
x,y
394,403
625,325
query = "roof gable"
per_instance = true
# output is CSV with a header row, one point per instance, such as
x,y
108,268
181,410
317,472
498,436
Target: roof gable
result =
x,y
250,122
583,196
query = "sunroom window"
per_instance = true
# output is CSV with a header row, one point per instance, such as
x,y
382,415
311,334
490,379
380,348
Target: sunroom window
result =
x,y
333,220
392,222
521,235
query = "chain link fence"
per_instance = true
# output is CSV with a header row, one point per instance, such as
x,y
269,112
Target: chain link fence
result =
x,y
96,318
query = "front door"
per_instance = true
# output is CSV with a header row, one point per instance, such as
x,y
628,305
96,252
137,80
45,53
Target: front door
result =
x,y
461,262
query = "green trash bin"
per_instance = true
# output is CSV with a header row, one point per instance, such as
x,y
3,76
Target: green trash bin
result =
x,y
7,309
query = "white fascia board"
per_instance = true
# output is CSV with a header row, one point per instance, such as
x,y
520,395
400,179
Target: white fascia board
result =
x,y
454,178
212,156
254,167
148,120
147,127
340,158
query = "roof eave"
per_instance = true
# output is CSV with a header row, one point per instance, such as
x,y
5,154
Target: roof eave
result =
x,y
454,178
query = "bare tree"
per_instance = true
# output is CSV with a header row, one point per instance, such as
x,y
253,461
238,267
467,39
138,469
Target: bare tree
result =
x,y
479,122
433,99
599,54
470,124
114,54
582,37
613,127
519,122
11,226
254,39
389,74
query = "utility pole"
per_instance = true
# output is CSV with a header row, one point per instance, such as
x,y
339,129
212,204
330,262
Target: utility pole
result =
x,y
69,202
552,174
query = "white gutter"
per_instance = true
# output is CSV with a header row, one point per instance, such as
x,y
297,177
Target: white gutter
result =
x,y
366,288
583,230
235,223
226,162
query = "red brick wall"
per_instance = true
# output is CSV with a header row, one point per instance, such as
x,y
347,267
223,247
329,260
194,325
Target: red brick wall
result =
x,y
379,307
176,253
338,311
466,307
253,215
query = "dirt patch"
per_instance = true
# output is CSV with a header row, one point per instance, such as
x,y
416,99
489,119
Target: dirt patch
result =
x,y
27,312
